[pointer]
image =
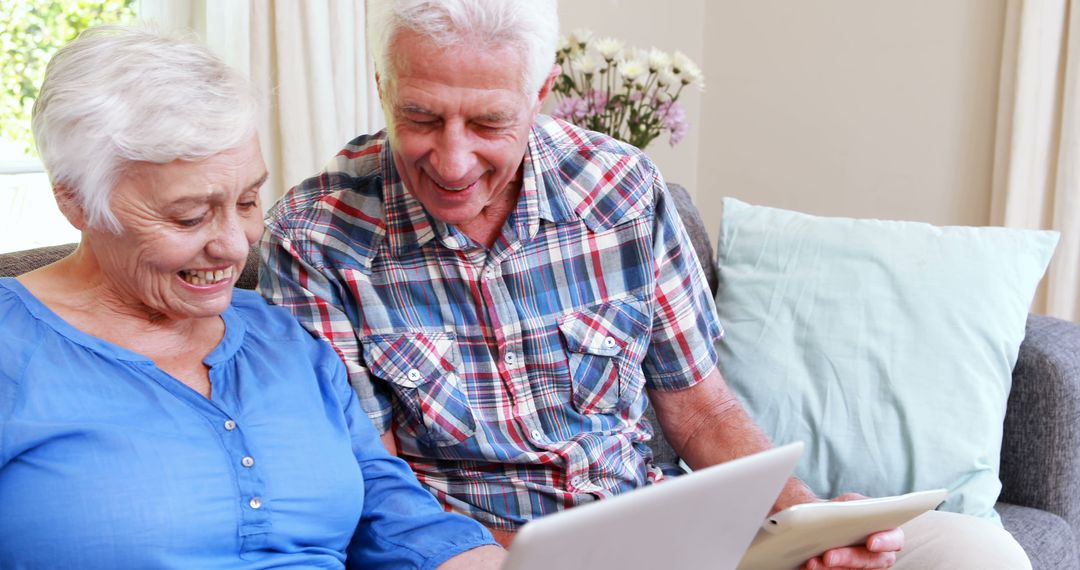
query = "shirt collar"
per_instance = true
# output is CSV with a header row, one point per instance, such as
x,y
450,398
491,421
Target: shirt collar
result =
x,y
408,225
541,171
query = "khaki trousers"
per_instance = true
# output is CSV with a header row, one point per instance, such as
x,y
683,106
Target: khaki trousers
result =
x,y
953,541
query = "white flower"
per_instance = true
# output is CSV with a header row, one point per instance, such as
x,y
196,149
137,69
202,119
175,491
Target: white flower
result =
x,y
636,53
608,48
687,69
564,44
693,75
586,63
580,37
658,60
680,62
633,70
667,78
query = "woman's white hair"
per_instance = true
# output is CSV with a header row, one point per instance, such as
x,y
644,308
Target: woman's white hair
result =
x,y
118,95
531,26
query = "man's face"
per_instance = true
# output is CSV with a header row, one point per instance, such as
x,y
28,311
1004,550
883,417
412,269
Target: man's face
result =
x,y
459,125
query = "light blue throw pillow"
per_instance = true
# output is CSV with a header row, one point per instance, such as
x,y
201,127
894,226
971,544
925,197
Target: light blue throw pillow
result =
x,y
887,347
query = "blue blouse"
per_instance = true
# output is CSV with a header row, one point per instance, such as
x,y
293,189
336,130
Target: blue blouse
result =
x,y
106,461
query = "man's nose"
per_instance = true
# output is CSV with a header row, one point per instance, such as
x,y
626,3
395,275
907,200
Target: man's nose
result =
x,y
453,158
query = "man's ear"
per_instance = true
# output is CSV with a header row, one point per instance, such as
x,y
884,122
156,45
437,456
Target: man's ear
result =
x,y
68,202
545,89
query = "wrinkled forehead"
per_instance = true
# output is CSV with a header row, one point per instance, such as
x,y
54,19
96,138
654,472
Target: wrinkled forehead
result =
x,y
410,51
225,174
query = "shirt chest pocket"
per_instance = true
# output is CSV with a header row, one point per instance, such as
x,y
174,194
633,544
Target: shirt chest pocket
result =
x,y
605,345
421,369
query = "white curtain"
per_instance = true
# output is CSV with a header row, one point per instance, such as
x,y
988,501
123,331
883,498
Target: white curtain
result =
x,y
1037,154
309,60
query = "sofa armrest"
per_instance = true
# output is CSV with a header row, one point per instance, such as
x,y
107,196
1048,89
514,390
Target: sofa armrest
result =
x,y
18,262
1040,455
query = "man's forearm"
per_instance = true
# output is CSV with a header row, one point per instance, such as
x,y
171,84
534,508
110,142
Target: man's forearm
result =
x,y
706,424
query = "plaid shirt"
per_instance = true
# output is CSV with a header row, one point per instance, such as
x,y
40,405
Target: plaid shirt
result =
x,y
513,377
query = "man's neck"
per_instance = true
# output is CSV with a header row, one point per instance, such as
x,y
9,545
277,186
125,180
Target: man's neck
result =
x,y
486,227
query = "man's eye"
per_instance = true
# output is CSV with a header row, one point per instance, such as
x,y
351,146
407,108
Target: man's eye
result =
x,y
423,122
248,205
191,222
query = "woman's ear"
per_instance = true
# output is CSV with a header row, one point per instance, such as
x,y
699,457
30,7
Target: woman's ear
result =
x,y
70,206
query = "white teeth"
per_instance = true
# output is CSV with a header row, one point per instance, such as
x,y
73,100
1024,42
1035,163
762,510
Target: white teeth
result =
x,y
198,277
453,188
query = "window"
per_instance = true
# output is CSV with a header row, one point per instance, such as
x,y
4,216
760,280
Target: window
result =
x,y
30,33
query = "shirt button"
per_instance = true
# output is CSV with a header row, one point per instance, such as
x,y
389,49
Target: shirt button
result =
x,y
230,425
510,358
414,375
576,479
255,503
536,434
247,461
609,342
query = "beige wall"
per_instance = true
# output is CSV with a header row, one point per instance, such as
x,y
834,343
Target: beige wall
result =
x,y
669,26
852,107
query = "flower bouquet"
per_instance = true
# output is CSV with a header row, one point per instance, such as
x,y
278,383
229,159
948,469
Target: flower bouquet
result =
x,y
631,95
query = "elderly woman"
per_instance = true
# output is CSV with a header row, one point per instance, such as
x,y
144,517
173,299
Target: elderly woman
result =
x,y
150,415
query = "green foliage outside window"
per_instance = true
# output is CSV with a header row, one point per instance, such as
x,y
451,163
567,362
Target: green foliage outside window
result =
x,y
30,32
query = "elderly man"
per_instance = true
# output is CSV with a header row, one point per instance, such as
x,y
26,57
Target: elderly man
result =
x,y
510,292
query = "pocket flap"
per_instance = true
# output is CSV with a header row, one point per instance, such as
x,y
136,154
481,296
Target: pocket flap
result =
x,y
410,359
603,329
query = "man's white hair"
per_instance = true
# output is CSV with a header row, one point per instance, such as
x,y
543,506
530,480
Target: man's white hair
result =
x,y
530,26
117,95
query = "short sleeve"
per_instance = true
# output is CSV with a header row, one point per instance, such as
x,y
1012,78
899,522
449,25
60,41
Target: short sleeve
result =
x,y
685,326
286,278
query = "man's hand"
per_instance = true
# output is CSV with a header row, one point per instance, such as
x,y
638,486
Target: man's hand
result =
x,y
878,552
706,425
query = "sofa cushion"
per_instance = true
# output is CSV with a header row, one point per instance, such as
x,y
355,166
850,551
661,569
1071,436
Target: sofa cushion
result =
x,y
886,346
1047,539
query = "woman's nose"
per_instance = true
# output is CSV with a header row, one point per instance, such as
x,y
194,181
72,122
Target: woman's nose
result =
x,y
230,242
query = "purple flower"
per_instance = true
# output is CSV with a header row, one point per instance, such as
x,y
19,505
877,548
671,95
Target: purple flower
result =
x,y
599,100
674,118
571,109
578,110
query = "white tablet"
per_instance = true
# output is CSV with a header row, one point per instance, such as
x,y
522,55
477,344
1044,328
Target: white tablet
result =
x,y
797,534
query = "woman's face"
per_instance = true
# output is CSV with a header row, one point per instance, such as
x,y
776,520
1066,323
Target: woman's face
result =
x,y
187,229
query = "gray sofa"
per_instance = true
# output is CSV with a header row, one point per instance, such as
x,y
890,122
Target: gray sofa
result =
x,y
1040,459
